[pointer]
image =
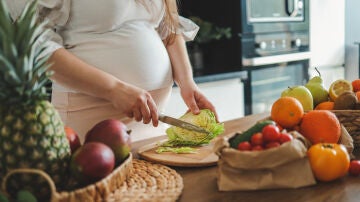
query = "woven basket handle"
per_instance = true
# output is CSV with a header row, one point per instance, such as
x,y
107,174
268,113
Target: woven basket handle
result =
x,y
30,171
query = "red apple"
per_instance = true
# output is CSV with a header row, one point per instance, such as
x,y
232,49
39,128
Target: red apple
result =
x,y
73,138
114,134
92,162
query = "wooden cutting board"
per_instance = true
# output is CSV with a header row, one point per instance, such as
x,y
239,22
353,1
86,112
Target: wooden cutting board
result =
x,y
204,156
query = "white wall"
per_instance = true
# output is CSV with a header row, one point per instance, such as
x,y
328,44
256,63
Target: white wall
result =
x,y
352,34
327,25
327,36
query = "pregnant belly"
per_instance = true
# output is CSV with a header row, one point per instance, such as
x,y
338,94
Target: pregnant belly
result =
x,y
134,54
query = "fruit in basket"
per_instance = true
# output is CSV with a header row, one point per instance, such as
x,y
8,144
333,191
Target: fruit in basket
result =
x,y
114,134
354,168
320,126
328,161
317,89
92,162
32,134
328,105
302,94
73,138
346,100
287,112
338,87
356,85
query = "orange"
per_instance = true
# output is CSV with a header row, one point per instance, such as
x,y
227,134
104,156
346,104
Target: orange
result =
x,y
328,105
287,112
356,85
338,87
357,95
320,126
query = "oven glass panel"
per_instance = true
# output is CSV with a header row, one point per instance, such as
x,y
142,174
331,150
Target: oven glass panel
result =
x,y
274,10
268,83
267,8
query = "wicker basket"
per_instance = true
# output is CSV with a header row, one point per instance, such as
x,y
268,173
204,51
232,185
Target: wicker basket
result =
x,y
91,193
350,119
133,180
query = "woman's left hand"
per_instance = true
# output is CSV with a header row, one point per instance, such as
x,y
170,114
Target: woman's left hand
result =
x,y
196,100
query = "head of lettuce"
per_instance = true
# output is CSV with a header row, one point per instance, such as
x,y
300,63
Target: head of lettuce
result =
x,y
182,137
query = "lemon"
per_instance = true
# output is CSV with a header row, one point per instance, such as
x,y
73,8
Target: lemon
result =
x,y
338,87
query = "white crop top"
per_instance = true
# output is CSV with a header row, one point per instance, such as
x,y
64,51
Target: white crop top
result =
x,y
121,37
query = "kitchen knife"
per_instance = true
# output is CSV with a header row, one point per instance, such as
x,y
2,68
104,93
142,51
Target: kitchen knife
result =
x,y
182,124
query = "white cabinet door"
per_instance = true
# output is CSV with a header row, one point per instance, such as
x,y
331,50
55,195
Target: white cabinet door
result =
x,y
226,95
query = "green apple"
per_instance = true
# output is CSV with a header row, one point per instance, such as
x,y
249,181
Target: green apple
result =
x,y
302,94
317,89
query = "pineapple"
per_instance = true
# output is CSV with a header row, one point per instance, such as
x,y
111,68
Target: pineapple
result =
x,y
31,131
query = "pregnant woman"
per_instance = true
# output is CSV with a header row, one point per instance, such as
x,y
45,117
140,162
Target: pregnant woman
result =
x,y
117,59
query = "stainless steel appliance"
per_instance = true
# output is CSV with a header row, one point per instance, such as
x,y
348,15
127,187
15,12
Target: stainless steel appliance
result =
x,y
270,41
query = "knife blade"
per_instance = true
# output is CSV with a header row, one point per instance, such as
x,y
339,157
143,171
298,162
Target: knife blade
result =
x,y
182,124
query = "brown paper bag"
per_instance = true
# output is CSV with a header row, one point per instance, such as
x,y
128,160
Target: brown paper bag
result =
x,y
284,167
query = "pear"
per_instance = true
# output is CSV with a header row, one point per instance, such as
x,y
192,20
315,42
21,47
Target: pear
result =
x,y
317,89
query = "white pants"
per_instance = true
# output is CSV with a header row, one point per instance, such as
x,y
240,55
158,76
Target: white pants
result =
x,y
81,112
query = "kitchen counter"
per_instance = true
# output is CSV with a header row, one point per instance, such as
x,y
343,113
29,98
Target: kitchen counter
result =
x,y
200,184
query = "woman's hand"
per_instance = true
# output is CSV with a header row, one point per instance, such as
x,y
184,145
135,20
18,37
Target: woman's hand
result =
x,y
195,99
135,103
183,77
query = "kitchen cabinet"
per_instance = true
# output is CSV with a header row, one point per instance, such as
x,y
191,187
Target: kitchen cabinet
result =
x,y
227,96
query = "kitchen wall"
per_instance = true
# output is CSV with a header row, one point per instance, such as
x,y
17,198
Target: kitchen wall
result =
x,y
352,35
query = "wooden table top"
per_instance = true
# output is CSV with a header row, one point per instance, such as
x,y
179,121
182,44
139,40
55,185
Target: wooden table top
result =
x,y
200,184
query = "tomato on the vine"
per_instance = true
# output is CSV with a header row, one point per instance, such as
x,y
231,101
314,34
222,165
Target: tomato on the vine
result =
x,y
328,161
271,133
272,144
257,139
285,137
244,146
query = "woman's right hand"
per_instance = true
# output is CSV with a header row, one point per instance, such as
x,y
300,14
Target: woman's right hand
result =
x,y
135,102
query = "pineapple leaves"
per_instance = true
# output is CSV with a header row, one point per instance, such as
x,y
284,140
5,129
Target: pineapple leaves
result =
x,y
23,58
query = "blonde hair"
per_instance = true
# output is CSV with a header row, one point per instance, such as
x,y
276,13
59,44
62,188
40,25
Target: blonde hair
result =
x,y
171,20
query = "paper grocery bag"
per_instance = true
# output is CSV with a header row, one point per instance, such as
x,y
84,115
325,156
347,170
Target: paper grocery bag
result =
x,y
286,166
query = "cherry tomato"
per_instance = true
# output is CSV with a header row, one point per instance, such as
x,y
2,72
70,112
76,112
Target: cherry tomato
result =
x,y
272,144
285,137
354,168
257,139
244,146
328,161
271,133
257,148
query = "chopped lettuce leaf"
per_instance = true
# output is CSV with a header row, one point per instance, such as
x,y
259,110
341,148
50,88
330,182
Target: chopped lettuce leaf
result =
x,y
178,150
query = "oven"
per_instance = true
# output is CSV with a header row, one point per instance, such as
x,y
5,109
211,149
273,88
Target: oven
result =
x,y
270,40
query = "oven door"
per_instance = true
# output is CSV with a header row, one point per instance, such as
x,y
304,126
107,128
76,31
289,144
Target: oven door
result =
x,y
259,11
266,83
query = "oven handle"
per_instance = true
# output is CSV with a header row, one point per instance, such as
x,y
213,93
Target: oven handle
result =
x,y
268,60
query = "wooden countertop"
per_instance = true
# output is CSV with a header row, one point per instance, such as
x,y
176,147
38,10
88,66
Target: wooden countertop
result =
x,y
200,184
